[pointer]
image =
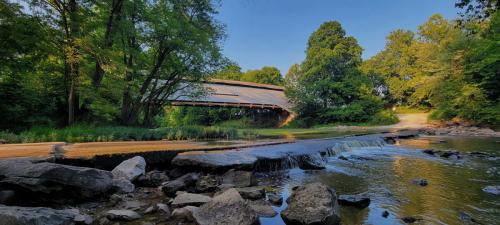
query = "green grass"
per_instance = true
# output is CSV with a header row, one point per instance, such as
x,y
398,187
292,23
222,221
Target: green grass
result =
x,y
85,133
407,110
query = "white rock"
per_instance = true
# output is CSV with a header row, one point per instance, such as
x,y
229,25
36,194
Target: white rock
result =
x,y
130,169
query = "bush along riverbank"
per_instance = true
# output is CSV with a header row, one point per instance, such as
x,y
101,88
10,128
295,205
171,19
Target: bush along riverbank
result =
x,y
82,133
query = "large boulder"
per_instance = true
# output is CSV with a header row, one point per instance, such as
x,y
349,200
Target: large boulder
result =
x,y
262,208
179,184
13,215
130,169
313,203
185,199
40,181
227,208
122,215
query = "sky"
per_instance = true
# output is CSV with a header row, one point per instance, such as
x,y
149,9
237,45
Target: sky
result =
x,y
275,32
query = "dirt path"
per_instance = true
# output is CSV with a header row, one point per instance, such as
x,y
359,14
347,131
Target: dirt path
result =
x,y
411,121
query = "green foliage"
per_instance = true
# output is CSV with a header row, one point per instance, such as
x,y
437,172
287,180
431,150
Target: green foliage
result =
x,y
266,75
328,87
83,133
383,117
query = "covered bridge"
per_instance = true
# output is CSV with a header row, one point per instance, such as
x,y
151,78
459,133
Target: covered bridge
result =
x,y
230,93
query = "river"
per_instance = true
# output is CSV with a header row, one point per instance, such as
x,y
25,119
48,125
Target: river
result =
x,y
453,195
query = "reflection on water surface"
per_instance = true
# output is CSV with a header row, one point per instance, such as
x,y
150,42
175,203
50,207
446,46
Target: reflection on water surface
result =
x,y
386,174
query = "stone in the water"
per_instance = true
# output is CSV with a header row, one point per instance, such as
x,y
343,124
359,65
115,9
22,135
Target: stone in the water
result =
x,y
130,169
309,162
122,214
13,215
310,204
421,182
464,217
252,192
224,209
263,208
275,198
359,201
123,186
152,179
429,151
385,214
35,181
179,184
185,199
409,219
238,178
492,190
343,158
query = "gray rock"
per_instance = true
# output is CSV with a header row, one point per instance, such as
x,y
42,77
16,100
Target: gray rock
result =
x,y
252,192
263,208
492,190
152,179
238,178
207,183
226,208
37,181
215,162
164,209
313,203
359,201
122,215
13,215
179,184
309,162
185,199
184,213
123,186
130,169
275,198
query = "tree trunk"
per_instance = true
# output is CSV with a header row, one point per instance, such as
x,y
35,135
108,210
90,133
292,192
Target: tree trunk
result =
x,y
114,15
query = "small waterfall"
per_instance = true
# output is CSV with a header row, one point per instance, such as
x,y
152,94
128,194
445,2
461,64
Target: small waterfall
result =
x,y
316,159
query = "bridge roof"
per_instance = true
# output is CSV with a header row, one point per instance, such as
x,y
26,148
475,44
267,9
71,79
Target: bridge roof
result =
x,y
238,93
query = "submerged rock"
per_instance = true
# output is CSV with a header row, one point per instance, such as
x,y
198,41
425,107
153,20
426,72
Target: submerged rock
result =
x,y
263,208
492,190
409,219
313,203
227,208
179,184
130,169
50,182
252,192
122,214
421,182
215,162
385,214
238,178
13,215
359,201
185,199
152,179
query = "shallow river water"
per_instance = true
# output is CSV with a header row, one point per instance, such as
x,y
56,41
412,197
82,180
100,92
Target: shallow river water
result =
x,y
453,196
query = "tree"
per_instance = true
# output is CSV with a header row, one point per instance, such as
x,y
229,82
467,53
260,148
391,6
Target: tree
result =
x,y
266,75
330,87
477,9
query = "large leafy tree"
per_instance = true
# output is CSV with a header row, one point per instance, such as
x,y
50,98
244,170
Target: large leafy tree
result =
x,y
329,86
266,75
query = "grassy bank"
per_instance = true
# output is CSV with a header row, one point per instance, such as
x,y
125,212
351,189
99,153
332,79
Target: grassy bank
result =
x,y
84,133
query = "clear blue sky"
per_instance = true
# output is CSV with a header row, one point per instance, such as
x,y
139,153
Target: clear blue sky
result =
x,y
275,32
